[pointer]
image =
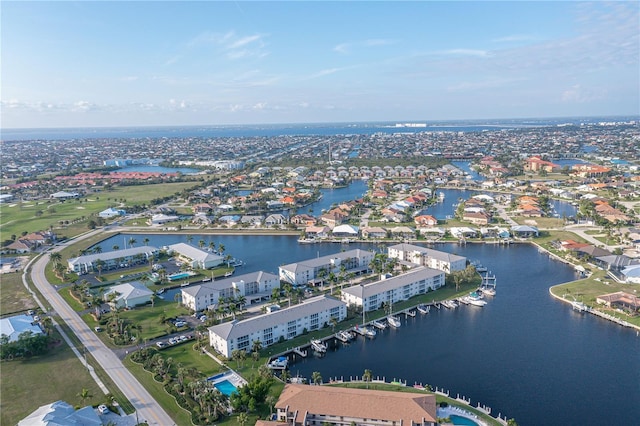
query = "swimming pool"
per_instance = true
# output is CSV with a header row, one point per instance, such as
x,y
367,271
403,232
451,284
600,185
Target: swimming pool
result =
x,y
226,387
462,421
179,276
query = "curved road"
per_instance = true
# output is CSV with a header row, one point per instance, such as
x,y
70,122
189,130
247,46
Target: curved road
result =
x,y
147,407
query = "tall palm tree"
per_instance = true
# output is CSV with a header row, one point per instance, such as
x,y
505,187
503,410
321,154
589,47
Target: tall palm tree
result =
x,y
145,241
97,249
55,257
115,247
367,376
221,248
189,238
212,245
201,244
316,377
132,241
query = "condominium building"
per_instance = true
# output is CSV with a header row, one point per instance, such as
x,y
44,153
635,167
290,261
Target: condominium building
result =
x,y
394,289
254,287
112,260
300,273
430,258
269,328
318,405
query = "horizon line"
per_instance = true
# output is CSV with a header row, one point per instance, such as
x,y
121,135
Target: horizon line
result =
x,y
326,122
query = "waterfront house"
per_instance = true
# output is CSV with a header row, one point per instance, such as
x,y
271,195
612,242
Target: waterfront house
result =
x,y
430,258
620,300
254,287
524,231
308,405
394,289
373,232
312,314
161,219
195,257
112,260
128,295
300,273
275,219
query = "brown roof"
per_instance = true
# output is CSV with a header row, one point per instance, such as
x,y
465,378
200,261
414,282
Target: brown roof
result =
x,y
359,403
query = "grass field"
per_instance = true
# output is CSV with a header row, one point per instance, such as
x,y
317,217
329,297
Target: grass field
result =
x,y
59,375
14,297
41,214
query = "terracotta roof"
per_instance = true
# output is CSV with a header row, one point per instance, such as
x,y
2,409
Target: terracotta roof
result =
x,y
359,403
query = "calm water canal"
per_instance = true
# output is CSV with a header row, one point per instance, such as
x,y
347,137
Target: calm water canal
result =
x,y
525,354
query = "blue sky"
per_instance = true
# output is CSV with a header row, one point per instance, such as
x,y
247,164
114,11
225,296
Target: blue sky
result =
x,y
81,64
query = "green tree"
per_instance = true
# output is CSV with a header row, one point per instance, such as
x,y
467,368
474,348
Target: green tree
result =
x,y
316,377
84,394
367,376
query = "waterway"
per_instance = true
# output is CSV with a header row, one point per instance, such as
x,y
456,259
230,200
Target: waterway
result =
x,y
525,354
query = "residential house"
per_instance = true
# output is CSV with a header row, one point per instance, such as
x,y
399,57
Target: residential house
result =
x,y
195,257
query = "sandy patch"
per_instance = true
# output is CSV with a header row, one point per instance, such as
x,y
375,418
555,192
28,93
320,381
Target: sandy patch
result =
x,y
12,205
80,208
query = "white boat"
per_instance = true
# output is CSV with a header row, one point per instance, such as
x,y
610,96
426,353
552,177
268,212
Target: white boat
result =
x,y
464,300
318,346
370,332
579,306
476,299
489,291
423,309
379,324
394,321
343,336
228,274
160,291
307,240
279,363
184,284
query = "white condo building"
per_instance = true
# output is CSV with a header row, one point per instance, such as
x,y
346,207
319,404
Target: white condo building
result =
x,y
253,286
196,258
269,328
300,273
430,258
112,259
393,289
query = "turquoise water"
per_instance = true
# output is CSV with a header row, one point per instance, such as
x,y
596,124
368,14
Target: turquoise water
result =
x,y
178,276
459,420
226,387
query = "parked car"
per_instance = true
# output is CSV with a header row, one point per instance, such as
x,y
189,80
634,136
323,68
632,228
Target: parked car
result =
x,y
103,409
180,323
98,329
160,344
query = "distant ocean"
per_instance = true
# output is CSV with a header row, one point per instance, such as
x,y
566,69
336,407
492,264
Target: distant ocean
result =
x,y
270,130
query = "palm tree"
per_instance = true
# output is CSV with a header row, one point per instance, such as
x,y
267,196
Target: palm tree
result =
x,y
316,377
201,244
99,266
189,238
55,257
115,247
132,241
367,376
84,394
97,249
243,418
221,248
145,241
212,246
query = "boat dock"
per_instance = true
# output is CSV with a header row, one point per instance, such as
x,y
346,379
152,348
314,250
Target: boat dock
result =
x,y
299,352
410,313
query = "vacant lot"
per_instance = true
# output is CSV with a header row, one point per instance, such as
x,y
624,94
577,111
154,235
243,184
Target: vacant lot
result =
x,y
59,375
14,297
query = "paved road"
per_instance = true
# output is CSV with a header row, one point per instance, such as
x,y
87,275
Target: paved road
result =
x,y
148,409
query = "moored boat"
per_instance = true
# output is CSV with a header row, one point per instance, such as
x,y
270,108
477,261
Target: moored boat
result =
x,y
379,324
423,309
318,346
394,321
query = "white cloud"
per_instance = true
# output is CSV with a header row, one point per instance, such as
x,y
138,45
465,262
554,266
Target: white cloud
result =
x,y
347,47
232,45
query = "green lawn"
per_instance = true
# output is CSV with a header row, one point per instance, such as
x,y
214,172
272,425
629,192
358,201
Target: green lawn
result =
x,y
28,384
42,214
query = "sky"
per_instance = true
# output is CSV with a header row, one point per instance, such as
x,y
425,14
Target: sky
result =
x,y
145,63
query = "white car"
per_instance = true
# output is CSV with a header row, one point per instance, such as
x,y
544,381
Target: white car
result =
x,y
103,409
